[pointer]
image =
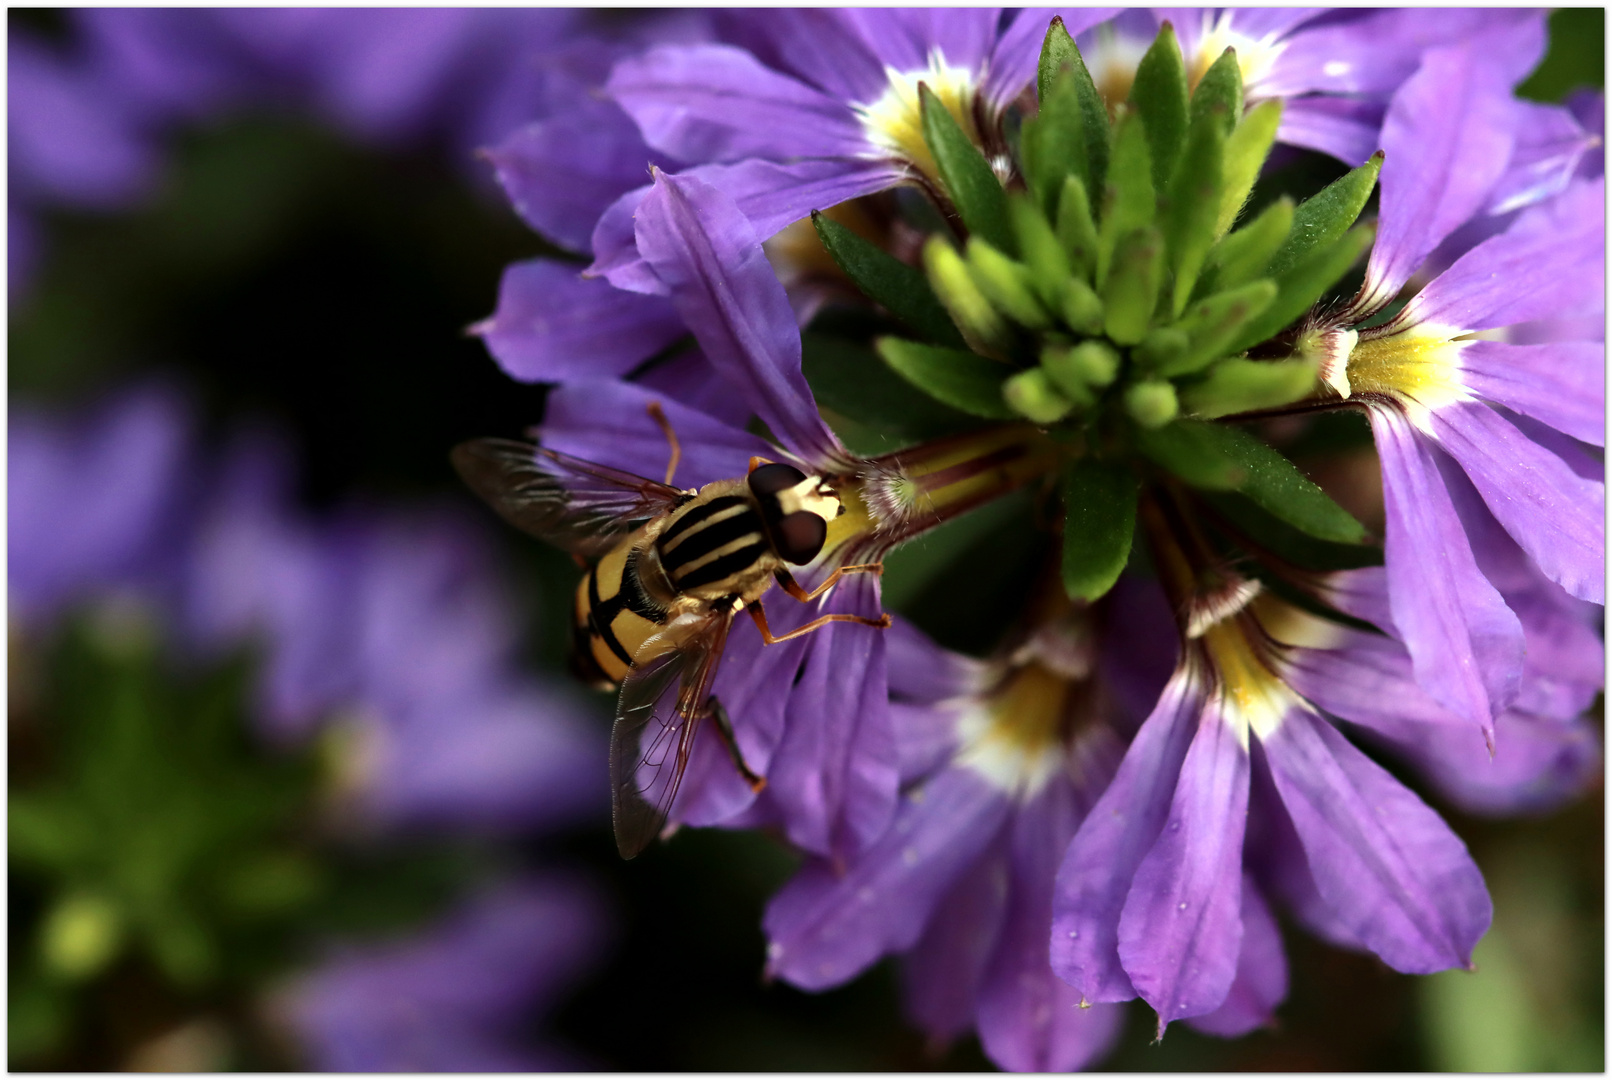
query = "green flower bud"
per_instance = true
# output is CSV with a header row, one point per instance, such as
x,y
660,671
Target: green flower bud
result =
x,y
976,319
1082,309
1151,404
1162,345
1007,284
1032,395
80,936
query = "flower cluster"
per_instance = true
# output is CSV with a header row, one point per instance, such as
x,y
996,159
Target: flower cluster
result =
x,y
1052,254
384,699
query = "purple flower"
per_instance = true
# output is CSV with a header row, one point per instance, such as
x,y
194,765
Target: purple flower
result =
x,y
999,764
1431,376
1237,788
458,997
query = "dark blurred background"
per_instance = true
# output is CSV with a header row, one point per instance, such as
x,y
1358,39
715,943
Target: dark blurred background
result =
x,y
287,272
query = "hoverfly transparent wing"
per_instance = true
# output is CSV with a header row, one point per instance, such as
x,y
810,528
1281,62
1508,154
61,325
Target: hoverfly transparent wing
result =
x,y
577,505
655,728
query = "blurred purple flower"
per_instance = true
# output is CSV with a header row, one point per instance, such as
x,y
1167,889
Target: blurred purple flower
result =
x,y
1428,379
462,996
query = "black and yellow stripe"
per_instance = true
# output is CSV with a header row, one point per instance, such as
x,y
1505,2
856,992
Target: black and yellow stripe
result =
x,y
711,542
615,615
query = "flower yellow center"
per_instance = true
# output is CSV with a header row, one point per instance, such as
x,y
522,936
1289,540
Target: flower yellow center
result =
x,y
1252,696
1016,737
894,122
1255,56
1420,367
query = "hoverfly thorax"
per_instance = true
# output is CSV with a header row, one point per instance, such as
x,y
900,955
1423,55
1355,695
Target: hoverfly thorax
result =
x,y
795,510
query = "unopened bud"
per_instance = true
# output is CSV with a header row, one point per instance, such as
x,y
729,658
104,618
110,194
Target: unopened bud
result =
x,y
1151,404
1032,395
1082,308
81,936
976,319
1089,365
1006,283
1161,346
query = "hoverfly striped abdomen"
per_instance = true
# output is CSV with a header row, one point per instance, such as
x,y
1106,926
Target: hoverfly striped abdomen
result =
x,y
615,614
715,547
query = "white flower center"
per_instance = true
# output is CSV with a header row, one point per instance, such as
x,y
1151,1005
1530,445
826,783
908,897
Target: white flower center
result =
x,y
894,123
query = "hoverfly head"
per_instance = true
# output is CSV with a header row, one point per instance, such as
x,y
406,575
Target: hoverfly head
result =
x,y
795,509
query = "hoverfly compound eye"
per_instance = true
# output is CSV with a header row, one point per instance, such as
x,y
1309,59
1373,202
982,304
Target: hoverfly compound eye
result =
x,y
799,537
772,478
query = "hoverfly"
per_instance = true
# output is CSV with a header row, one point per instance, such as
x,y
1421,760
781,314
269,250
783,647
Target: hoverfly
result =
x,y
670,570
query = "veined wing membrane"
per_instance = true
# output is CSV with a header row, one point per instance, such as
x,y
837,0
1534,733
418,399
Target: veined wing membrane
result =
x,y
658,714
578,505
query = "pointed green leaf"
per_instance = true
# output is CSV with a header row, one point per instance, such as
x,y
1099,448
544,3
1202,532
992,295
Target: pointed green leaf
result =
x,y
1220,88
1006,283
1099,523
1292,544
1215,322
886,280
960,379
1159,93
967,176
1077,229
1128,198
1053,144
1060,54
1043,255
1225,458
1246,150
1242,256
1304,284
1194,205
1325,216
1132,290
1237,385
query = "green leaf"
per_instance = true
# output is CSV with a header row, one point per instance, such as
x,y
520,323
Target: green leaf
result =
x,y
1242,256
1221,88
1132,290
1303,284
1043,254
1215,321
1246,150
1194,205
1323,218
1236,385
967,176
1099,523
1294,545
1007,284
901,289
962,380
1053,144
1159,93
1059,54
1225,458
849,379
1128,198
1077,229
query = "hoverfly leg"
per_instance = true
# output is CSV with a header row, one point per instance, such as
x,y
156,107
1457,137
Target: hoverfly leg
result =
x,y
657,414
724,729
760,617
756,462
793,587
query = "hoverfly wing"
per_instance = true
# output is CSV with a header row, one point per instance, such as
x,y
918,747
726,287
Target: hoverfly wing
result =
x,y
655,728
578,505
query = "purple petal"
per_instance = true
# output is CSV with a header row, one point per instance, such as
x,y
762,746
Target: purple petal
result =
x,y
1368,679
1181,928
1464,642
562,173
609,422
904,38
1447,137
1275,856
1018,51
553,325
1550,146
687,376
1562,384
1102,858
817,45
1398,878
1550,263
771,195
835,774
942,972
826,928
1029,1019
1555,515
1261,982
1348,129
709,255
711,103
